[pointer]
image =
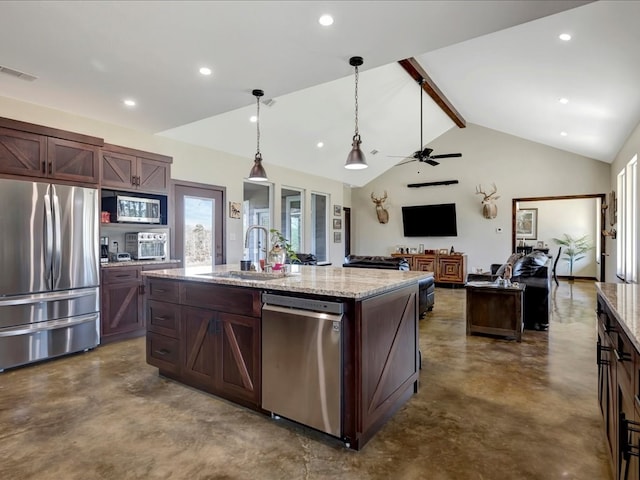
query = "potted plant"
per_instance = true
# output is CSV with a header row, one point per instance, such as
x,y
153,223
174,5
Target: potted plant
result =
x,y
575,249
280,243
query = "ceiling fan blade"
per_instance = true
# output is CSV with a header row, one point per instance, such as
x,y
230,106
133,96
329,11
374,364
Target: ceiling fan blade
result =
x,y
447,155
431,162
408,161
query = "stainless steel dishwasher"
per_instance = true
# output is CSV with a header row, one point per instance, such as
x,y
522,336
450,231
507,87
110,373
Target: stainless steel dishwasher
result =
x,y
302,361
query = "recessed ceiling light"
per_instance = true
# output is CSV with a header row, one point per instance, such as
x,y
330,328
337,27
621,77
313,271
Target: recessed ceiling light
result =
x,y
564,101
130,103
564,37
253,119
325,20
563,134
205,71
320,144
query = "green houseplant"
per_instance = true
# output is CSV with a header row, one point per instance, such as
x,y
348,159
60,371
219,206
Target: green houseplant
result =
x,y
278,239
575,249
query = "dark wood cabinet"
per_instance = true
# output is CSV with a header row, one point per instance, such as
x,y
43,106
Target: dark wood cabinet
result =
x,y
122,312
30,154
129,169
447,269
618,393
217,334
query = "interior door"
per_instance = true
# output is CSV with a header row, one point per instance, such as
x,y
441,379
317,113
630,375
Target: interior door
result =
x,y
199,224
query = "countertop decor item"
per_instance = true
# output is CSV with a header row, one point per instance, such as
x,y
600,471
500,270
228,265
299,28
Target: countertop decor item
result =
x,y
277,238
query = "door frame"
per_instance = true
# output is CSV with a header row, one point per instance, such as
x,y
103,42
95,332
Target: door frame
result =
x,y
601,196
220,256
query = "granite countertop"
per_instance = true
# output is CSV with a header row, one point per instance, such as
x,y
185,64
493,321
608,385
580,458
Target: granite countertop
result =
x,y
357,283
623,300
136,263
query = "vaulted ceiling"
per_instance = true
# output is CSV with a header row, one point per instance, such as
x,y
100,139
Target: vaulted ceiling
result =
x,y
499,62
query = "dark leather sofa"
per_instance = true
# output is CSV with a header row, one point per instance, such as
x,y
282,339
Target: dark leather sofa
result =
x,y
426,287
535,271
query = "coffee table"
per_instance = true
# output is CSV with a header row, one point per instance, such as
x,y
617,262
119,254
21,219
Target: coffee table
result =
x,y
494,309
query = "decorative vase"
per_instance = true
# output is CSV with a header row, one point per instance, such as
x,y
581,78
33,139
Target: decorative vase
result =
x,y
276,257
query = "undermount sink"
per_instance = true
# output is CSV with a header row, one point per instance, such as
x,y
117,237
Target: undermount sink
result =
x,y
245,275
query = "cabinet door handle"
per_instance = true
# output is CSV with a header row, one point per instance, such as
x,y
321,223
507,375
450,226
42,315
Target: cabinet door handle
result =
x,y
621,356
141,289
160,317
44,167
50,167
162,352
159,290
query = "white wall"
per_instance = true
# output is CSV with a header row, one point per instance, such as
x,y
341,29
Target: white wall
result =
x,y
630,148
192,163
520,168
575,217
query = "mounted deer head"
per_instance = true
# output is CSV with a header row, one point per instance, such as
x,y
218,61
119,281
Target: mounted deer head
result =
x,y
489,208
383,215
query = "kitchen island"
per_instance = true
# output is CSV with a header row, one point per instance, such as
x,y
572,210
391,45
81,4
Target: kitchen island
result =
x,y
618,359
205,329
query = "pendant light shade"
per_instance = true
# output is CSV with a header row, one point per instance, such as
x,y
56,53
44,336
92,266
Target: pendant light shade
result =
x,y
258,172
355,159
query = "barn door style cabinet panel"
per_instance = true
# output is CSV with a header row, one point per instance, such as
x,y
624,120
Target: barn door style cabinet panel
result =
x,y
36,151
128,169
206,336
447,269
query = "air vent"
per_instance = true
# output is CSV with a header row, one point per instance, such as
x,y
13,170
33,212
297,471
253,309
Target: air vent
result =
x,y
17,74
374,152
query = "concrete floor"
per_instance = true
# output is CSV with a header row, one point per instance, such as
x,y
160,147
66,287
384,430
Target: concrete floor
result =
x,y
488,408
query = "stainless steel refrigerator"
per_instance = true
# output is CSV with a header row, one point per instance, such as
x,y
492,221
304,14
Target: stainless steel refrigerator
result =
x,y
49,271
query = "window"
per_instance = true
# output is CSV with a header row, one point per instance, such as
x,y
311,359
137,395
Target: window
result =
x,y
256,210
291,217
627,268
319,229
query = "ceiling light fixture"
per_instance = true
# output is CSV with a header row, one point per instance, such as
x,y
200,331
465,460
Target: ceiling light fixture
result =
x,y
564,101
320,144
129,103
564,37
257,172
356,160
253,119
325,20
563,134
205,71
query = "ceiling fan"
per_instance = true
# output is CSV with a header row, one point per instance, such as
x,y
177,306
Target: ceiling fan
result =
x,y
424,155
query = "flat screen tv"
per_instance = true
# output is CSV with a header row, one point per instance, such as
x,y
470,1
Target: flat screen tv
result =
x,y
430,220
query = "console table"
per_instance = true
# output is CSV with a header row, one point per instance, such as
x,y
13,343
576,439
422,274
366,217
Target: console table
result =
x,y
449,269
494,309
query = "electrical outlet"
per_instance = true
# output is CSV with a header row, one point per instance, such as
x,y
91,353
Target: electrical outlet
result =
x,y
498,229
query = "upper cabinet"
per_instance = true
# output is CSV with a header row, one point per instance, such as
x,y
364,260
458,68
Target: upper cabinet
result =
x,y
34,153
128,169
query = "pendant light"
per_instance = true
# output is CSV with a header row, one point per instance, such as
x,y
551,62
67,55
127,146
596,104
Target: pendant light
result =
x,y
356,160
257,172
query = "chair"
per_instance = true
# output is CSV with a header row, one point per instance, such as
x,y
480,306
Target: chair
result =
x,y
555,277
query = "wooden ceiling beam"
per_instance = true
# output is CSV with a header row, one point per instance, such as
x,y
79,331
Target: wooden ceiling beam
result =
x,y
415,70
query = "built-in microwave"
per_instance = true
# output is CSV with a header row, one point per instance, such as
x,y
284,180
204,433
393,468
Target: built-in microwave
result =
x,y
125,208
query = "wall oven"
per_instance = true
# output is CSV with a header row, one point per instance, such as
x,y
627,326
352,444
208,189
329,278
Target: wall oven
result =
x,y
146,245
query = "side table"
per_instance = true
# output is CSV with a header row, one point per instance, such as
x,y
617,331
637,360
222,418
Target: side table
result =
x,y
493,309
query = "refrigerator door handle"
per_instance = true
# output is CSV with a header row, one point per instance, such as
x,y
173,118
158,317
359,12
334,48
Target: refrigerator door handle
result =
x,y
48,231
57,239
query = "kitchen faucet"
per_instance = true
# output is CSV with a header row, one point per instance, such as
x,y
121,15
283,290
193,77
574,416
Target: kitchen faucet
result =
x,y
266,238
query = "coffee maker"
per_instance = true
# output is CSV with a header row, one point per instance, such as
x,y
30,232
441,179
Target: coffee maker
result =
x,y
104,249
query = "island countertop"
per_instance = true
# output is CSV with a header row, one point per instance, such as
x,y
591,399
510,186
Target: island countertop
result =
x,y
357,283
623,300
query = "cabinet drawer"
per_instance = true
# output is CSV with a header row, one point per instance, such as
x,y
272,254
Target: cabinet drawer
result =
x,y
163,318
239,300
163,290
163,352
120,274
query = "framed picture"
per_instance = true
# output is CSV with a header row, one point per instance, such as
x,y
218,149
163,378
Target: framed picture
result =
x,y
337,210
337,237
539,244
337,223
234,209
527,223
443,251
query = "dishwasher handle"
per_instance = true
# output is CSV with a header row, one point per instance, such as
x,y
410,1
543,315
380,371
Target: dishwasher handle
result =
x,y
299,303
